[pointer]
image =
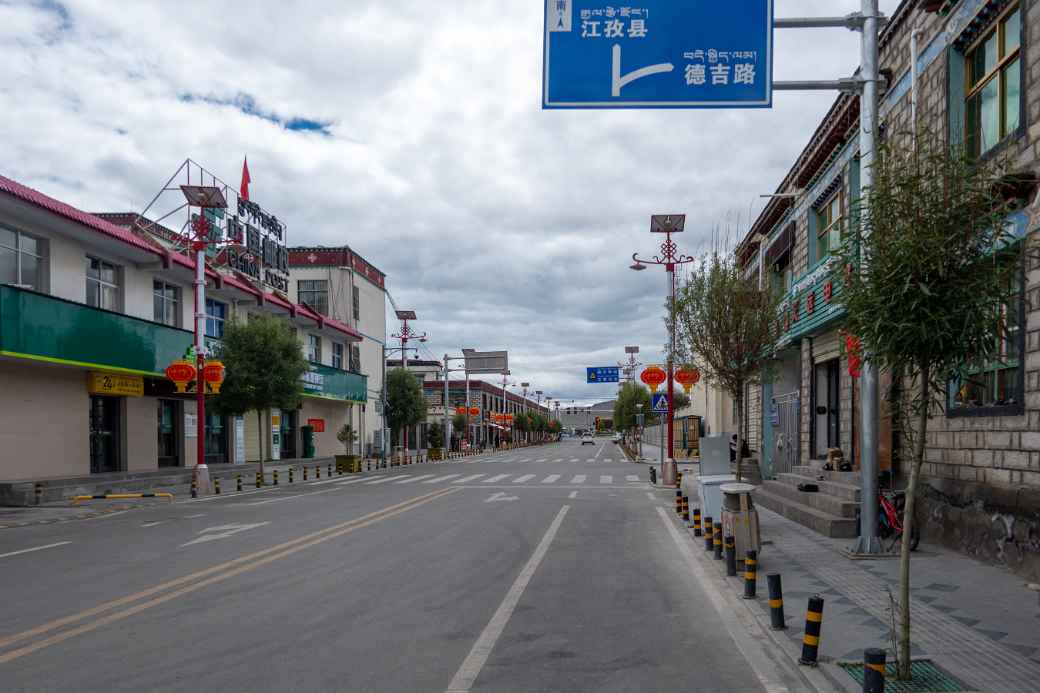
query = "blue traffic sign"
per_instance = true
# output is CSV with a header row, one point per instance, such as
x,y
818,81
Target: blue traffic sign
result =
x,y
657,54
608,374
659,402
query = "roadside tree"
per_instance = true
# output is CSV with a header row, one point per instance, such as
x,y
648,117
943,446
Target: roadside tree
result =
x,y
405,403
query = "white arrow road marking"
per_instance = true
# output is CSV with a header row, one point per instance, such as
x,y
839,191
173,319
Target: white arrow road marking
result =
x,y
497,497
497,477
414,478
551,479
441,478
522,479
223,532
35,548
578,479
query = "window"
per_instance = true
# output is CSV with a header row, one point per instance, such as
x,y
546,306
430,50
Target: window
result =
x,y
993,84
337,355
998,383
216,314
355,358
357,303
780,278
828,228
314,348
102,284
166,301
21,259
314,293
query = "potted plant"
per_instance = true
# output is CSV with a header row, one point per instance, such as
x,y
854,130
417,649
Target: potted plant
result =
x,y
349,461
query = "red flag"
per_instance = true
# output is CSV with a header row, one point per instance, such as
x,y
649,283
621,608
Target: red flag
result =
x,y
243,189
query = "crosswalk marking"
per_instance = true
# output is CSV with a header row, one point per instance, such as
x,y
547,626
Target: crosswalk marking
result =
x,y
606,479
542,460
441,478
551,479
414,478
632,477
578,479
575,459
522,479
497,477
471,477
383,480
348,482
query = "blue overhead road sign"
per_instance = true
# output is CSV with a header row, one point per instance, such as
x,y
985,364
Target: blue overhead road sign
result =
x,y
659,402
608,374
658,54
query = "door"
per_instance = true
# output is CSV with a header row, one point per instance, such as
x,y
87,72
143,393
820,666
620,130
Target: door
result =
x,y
785,416
168,416
826,408
289,425
104,434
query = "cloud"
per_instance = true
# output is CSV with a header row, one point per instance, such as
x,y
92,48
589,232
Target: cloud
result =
x,y
412,131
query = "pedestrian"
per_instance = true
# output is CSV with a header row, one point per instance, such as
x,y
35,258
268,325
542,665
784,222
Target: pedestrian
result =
x,y
745,451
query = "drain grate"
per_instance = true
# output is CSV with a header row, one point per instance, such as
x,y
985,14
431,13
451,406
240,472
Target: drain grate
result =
x,y
925,678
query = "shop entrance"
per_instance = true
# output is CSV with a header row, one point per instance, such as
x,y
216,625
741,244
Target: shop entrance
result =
x,y
826,407
104,434
216,439
289,424
168,416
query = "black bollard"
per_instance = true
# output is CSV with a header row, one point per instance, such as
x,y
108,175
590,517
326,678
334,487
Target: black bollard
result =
x,y
238,483
873,670
776,602
696,522
716,539
813,625
750,574
216,485
731,556
708,541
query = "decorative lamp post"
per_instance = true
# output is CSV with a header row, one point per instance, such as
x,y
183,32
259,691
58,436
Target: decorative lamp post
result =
x,y
669,258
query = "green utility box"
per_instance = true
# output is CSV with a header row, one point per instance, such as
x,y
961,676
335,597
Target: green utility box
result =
x,y
307,433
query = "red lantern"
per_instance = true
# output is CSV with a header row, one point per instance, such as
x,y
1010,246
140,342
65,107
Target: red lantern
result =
x,y
474,411
460,410
213,374
653,376
181,373
687,377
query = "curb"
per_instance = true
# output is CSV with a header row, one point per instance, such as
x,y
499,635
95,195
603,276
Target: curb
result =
x,y
57,520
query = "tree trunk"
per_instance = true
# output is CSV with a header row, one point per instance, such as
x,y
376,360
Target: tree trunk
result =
x,y
260,440
740,430
903,668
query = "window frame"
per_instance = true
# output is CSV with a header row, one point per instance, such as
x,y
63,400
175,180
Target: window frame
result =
x,y
40,256
166,301
212,317
100,284
825,224
354,364
314,348
356,299
322,307
1018,407
337,355
998,72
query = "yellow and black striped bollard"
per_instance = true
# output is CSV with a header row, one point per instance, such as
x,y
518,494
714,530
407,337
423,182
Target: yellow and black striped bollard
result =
x,y
716,539
216,485
238,483
290,475
730,546
678,480
750,574
274,477
38,492
873,670
685,509
697,522
317,471
305,473
776,602
330,470
678,502
194,487
813,625
709,543
259,480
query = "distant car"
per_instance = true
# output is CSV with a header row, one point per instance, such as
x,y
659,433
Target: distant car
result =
x,y
587,438
617,437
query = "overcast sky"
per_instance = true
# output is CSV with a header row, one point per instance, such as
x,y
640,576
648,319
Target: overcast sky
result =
x,y
412,131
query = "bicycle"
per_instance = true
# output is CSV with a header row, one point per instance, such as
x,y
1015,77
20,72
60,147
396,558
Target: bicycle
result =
x,y
890,521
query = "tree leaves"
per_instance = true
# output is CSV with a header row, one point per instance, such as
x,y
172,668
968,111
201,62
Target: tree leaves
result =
x,y
263,361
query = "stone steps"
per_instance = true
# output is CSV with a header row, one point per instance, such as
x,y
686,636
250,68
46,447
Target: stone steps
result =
x,y
813,518
851,478
838,489
832,505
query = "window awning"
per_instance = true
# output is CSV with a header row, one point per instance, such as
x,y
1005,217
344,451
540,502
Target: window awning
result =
x,y
781,245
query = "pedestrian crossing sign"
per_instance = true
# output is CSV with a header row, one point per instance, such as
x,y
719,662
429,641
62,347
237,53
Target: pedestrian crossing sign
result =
x,y
659,402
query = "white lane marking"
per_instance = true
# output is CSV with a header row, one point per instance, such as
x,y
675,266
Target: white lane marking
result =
x,y
578,479
414,478
551,479
542,460
745,632
152,524
223,532
632,477
651,496
385,479
279,499
606,479
478,656
348,482
573,494
441,478
522,479
497,477
496,497
192,517
575,459
471,477
35,548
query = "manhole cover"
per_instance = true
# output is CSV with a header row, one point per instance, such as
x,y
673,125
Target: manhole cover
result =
x,y
925,678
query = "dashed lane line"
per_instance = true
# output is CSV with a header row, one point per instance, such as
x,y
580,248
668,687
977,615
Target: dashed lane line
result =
x,y
35,548
578,479
523,479
496,478
551,479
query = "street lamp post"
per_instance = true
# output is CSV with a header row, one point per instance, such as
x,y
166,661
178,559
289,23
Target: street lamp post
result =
x,y
669,257
639,429
406,333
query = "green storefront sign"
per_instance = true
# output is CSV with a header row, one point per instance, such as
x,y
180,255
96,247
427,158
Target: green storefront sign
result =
x,y
333,383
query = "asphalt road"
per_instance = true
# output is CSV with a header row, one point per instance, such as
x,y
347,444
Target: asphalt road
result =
x,y
543,569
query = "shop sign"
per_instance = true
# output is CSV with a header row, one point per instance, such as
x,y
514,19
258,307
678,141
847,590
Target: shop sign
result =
x,y
191,425
260,250
317,424
313,381
115,384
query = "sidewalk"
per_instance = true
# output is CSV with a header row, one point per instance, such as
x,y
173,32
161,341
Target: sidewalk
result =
x,y
977,622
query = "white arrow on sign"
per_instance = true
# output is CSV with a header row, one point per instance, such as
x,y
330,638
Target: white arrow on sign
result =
x,y
223,532
496,497
618,80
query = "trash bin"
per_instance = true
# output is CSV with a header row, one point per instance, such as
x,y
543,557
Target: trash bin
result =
x,y
709,489
307,433
739,517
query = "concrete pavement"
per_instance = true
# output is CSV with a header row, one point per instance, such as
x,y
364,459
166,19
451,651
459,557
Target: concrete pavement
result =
x,y
547,568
